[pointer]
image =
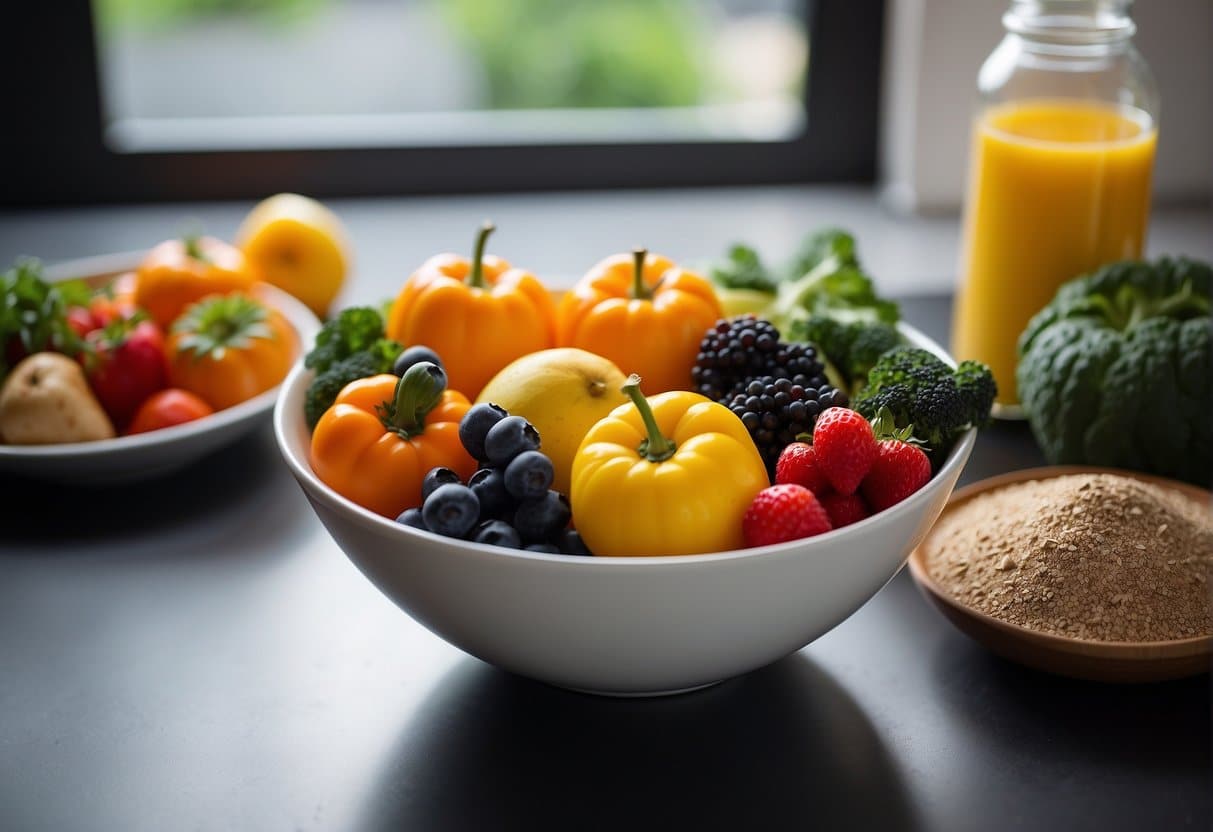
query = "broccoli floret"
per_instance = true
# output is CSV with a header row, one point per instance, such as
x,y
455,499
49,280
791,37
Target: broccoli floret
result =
x,y
850,348
326,385
356,329
871,341
907,365
925,395
1115,370
976,385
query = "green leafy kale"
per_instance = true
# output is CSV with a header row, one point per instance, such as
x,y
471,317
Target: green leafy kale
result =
x,y
826,279
831,244
1117,370
33,313
743,269
925,395
348,347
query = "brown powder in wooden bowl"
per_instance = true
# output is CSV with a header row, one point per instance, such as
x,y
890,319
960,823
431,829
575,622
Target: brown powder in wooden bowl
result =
x,y
1092,556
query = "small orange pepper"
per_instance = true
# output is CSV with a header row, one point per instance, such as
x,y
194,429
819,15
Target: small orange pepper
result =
x,y
383,434
478,315
177,273
642,312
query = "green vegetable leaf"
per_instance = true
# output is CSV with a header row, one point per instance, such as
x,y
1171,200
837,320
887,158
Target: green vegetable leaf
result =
x,y
827,244
842,292
743,269
33,313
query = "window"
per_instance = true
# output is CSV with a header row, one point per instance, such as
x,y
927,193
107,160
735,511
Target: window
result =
x,y
202,98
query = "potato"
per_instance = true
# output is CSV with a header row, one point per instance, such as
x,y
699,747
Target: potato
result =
x,y
46,400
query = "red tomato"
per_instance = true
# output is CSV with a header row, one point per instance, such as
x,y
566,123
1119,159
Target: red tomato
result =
x,y
129,365
167,408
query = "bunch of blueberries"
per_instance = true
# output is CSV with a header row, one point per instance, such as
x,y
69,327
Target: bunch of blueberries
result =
x,y
509,501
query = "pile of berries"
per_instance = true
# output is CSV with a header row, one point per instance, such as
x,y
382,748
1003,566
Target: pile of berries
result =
x,y
845,475
508,501
777,389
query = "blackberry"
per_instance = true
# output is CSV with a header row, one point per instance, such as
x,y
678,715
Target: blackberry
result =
x,y
776,388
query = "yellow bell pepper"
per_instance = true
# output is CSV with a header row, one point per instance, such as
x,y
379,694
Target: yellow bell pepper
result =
x,y
669,475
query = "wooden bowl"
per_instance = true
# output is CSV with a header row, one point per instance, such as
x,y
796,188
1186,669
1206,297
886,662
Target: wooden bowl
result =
x,y
1104,661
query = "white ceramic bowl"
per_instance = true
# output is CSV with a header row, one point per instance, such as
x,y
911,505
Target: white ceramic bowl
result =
x,y
621,626
146,455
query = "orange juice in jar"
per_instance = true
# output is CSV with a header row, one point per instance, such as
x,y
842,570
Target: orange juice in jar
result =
x,y
1059,179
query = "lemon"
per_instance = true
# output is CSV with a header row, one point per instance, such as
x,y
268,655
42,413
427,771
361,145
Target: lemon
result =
x,y
298,245
563,393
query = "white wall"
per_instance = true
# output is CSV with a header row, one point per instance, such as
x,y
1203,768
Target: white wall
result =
x,y
933,49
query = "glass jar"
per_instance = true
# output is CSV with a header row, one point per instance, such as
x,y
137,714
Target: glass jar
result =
x,y
1060,167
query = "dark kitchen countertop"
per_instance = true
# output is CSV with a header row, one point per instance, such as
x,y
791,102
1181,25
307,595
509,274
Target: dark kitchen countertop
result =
x,y
196,653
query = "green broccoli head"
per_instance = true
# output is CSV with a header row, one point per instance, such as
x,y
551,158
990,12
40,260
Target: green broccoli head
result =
x,y
870,342
977,388
354,330
325,387
852,348
922,393
907,365
1118,370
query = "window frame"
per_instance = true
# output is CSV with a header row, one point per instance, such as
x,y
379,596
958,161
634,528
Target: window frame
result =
x,y
58,153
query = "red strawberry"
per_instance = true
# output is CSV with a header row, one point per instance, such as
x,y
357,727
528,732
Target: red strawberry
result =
x,y
844,509
899,470
844,447
783,512
128,366
798,464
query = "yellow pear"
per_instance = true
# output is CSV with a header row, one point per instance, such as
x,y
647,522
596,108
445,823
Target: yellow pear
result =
x,y
298,245
562,392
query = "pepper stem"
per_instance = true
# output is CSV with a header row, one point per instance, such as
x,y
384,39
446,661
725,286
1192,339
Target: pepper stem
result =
x,y
656,447
193,250
639,290
476,275
417,393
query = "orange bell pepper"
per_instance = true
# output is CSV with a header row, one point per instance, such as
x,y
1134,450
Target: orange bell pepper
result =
x,y
177,273
229,348
383,434
643,313
478,315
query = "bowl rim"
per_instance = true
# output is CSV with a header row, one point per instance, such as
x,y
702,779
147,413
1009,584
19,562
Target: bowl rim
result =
x,y
1191,645
284,422
98,269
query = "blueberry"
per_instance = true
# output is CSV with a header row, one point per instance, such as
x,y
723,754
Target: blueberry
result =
x,y
508,438
546,548
529,474
572,544
542,518
412,517
488,484
414,355
497,533
434,478
451,510
476,424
